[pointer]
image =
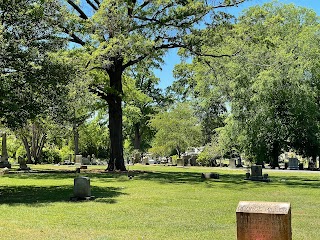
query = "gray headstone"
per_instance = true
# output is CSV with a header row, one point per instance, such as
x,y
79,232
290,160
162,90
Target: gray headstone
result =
x,y
81,188
86,161
232,163
78,159
293,164
22,164
180,162
145,160
256,171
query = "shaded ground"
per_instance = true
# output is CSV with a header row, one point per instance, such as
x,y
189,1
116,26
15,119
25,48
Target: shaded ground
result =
x,y
45,194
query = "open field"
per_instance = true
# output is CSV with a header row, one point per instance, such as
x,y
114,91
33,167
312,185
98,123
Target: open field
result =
x,y
158,203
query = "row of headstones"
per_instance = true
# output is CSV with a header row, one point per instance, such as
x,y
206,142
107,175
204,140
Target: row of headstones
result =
x,y
90,160
179,162
293,163
255,220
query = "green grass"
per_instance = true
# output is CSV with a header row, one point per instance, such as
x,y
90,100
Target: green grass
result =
x,y
158,203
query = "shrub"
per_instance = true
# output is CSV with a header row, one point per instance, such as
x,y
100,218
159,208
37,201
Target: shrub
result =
x,y
51,155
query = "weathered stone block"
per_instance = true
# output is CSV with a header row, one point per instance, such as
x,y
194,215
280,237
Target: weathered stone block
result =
x,y
264,220
81,188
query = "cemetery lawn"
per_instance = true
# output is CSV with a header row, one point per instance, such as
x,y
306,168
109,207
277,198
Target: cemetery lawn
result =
x,y
160,202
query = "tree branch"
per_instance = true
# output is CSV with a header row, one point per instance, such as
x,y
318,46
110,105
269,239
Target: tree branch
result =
x,y
97,2
145,3
92,5
74,38
78,9
98,90
229,5
132,62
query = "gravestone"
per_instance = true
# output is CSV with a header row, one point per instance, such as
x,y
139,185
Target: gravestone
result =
x,y
256,174
4,160
232,163
210,175
264,221
81,189
239,163
193,161
180,162
22,164
78,159
86,161
145,160
293,164
186,160
93,160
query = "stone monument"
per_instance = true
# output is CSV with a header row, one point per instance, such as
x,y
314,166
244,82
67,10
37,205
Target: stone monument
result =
x,y
180,162
4,153
78,159
256,174
293,164
232,163
22,164
264,220
81,189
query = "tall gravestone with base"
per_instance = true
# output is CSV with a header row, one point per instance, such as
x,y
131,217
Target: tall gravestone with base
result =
x,y
232,163
4,162
256,174
22,164
264,221
78,159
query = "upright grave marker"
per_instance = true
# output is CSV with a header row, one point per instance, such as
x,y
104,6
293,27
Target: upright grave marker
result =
x,y
256,174
232,163
264,221
293,164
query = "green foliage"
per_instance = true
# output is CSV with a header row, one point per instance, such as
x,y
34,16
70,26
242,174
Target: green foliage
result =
x,y
268,82
31,80
94,138
176,129
119,34
142,100
65,152
21,151
51,155
13,144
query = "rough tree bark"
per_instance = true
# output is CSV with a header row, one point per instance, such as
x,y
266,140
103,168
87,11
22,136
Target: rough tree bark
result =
x,y
114,100
276,150
137,136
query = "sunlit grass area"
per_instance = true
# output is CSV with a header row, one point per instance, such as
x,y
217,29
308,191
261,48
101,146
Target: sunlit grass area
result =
x,y
160,202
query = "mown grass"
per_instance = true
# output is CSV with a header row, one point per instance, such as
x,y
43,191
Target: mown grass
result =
x,y
158,203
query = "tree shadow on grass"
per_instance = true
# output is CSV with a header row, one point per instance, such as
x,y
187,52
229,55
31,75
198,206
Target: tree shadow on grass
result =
x,y
63,174
188,177
41,196
233,181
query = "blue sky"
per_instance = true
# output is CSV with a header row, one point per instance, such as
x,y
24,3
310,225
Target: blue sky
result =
x,y
171,58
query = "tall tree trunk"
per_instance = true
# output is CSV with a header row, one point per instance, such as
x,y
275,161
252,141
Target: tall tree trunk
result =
x,y
34,141
4,151
137,136
178,151
27,148
40,146
115,117
75,138
275,154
